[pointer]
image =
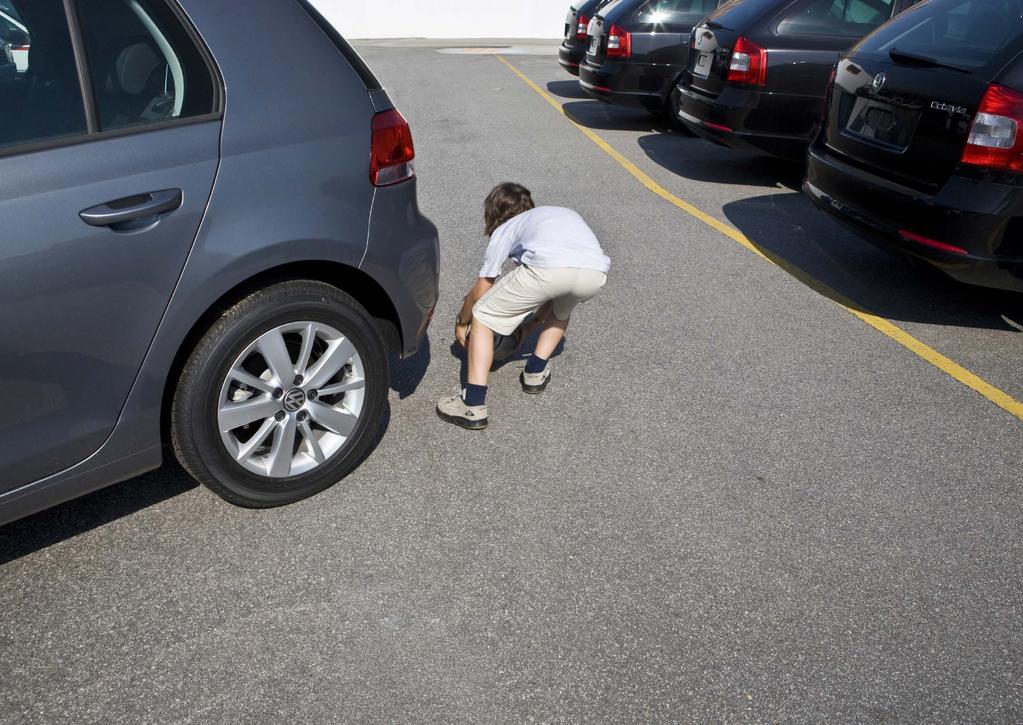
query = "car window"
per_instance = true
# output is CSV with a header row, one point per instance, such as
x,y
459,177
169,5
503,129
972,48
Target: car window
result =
x,y
8,30
607,9
842,18
968,34
143,65
40,96
687,12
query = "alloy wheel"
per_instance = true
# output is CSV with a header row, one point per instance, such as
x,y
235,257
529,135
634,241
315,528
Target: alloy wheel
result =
x,y
291,399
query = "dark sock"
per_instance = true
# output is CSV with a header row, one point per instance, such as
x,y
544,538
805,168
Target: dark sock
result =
x,y
535,365
474,395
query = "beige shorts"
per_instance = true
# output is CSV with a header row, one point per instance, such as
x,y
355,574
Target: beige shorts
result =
x,y
526,289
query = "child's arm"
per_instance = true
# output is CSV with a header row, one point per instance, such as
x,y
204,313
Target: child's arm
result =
x,y
464,318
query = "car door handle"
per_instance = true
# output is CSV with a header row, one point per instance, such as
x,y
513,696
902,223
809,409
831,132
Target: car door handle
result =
x,y
133,208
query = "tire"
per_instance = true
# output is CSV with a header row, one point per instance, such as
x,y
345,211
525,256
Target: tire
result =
x,y
330,419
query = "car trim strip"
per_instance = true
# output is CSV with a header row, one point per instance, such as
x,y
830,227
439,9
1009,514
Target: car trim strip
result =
x,y
82,67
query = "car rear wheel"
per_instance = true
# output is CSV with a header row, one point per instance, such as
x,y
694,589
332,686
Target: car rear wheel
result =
x,y
282,397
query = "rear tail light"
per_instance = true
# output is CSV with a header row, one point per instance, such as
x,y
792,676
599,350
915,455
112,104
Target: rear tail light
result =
x,y
580,29
996,136
392,151
749,63
619,43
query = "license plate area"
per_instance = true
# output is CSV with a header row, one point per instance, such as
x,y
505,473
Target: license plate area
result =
x,y
594,44
702,64
882,124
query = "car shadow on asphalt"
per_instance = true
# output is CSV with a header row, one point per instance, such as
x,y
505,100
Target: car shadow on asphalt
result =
x,y
567,89
601,116
700,160
788,228
407,374
92,511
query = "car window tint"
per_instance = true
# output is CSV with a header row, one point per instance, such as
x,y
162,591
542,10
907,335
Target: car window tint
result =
x,y
611,7
144,66
40,97
842,18
7,27
969,34
676,11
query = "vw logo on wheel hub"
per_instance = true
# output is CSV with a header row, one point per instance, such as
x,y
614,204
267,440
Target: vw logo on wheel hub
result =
x,y
294,400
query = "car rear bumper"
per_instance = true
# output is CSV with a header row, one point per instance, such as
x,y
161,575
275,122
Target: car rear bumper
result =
x,y
749,120
403,257
629,84
958,230
571,56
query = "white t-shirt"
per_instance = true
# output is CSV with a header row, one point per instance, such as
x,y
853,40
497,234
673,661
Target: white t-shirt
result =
x,y
548,237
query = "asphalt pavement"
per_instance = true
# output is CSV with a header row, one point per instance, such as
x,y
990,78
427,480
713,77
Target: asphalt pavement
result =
x,y
736,501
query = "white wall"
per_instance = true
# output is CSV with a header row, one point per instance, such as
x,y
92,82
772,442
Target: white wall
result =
x,y
446,18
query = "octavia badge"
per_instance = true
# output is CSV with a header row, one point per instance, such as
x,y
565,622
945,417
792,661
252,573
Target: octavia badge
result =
x,y
879,81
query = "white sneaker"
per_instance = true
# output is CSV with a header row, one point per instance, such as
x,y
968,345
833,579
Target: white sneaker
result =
x,y
454,410
535,383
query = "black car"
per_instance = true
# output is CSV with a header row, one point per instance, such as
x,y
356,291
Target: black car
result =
x,y
638,49
8,68
573,48
758,69
922,144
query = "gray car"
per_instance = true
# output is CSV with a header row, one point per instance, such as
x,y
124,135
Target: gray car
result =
x,y
209,241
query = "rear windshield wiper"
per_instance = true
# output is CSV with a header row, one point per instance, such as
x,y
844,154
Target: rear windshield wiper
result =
x,y
902,56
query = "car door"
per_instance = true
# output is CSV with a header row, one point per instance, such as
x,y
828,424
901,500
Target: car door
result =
x,y
108,152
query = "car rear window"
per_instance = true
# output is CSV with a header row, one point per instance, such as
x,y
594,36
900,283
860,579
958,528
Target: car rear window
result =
x,y
676,11
835,18
8,29
606,8
967,34
738,15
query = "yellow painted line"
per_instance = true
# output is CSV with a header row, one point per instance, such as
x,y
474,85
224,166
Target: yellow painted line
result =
x,y
955,370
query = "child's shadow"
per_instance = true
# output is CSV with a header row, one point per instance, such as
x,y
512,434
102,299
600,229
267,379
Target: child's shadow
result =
x,y
527,347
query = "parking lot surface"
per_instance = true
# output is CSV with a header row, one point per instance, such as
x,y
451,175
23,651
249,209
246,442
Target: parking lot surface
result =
x,y
736,501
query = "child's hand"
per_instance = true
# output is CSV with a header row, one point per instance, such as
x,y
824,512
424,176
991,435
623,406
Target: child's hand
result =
x,y
462,333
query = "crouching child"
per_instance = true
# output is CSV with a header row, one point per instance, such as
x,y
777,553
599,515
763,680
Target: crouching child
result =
x,y
559,264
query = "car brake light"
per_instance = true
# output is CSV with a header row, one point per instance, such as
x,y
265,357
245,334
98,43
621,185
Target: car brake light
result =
x,y
392,151
619,43
996,141
748,64
580,29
